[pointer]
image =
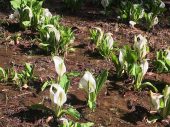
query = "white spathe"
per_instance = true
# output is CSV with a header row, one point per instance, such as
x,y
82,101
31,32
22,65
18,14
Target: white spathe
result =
x,y
155,21
109,40
162,5
142,14
59,65
144,66
140,42
132,23
140,45
47,13
57,95
121,60
155,99
88,82
52,28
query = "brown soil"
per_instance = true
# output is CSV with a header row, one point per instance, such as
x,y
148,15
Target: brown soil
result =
x,y
117,105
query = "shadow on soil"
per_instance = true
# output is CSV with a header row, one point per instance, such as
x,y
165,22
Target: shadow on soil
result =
x,y
94,54
137,115
5,6
30,115
73,100
31,50
11,27
34,116
117,84
80,46
93,13
37,86
158,84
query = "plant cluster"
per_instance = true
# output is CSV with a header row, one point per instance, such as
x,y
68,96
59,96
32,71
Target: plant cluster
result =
x,y
22,78
54,37
92,87
161,103
145,12
162,62
27,12
59,88
132,62
104,42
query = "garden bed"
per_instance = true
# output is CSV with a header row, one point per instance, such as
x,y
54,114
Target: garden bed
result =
x,y
117,105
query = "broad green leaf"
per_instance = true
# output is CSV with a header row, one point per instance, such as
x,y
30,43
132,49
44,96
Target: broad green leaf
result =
x,y
28,67
114,59
2,71
88,124
45,85
64,82
26,24
153,118
91,104
162,104
73,112
149,84
168,62
167,107
100,80
163,65
15,4
73,74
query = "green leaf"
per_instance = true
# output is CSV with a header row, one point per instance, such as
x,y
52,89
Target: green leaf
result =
x,y
114,59
100,80
37,4
162,104
26,24
163,65
72,112
28,67
73,74
92,104
153,118
15,4
45,85
167,108
168,62
132,69
149,84
64,82
88,124
2,71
